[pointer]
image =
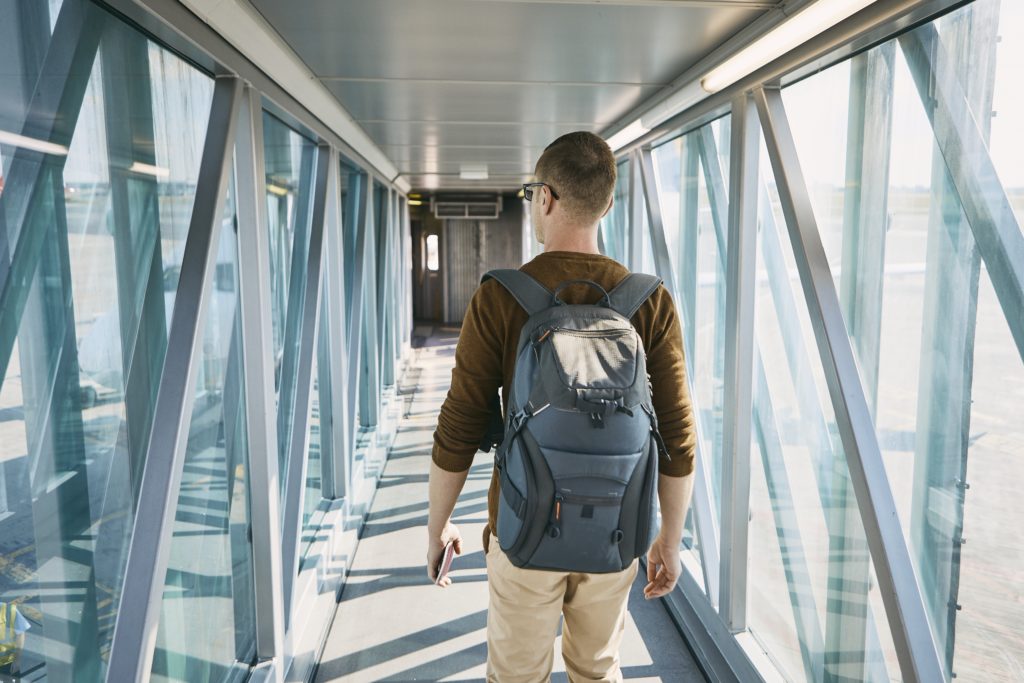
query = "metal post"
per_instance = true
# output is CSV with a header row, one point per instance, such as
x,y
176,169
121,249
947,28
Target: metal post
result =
x,y
135,632
298,447
337,473
634,232
355,236
741,262
918,657
369,394
258,361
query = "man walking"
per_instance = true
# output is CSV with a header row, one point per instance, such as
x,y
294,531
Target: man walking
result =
x,y
576,181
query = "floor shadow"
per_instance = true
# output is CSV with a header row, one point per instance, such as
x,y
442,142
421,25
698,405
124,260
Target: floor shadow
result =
x,y
399,647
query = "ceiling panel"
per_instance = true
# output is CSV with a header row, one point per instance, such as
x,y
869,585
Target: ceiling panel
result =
x,y
524,156
405,100
404,133
448,82
470,39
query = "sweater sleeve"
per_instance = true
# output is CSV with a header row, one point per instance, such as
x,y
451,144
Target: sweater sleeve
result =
x,y
476,378
666,364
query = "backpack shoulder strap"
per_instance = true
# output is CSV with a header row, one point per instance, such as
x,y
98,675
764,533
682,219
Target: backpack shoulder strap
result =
x,y
630,294
531,295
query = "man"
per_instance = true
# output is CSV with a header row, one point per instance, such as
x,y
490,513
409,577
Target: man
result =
x,y
576,175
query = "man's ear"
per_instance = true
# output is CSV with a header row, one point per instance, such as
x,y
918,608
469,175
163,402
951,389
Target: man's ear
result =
x,y
547,205
611,202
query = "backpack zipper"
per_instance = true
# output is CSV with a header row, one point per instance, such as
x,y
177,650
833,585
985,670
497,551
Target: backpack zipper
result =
x,y
616,332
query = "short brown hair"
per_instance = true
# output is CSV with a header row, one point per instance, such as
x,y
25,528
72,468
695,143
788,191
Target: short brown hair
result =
x,y
580,167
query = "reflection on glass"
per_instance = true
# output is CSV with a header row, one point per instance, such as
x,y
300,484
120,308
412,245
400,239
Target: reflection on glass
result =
x,y
289,161
207,618
813,602
933,344
99,244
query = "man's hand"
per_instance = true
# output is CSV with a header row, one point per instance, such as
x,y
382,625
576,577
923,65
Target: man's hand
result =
x,y
435,547
663,568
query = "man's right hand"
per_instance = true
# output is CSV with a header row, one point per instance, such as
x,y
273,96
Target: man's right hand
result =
x,y
435,548
663,568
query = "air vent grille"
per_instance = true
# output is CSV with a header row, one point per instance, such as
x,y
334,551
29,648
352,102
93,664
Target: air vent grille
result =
x,y
486,207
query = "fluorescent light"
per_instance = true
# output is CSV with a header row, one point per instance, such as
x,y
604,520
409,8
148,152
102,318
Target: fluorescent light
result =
x,y
682,99
627,135
473,172
795,31
15,140
415,202
276,189
139,167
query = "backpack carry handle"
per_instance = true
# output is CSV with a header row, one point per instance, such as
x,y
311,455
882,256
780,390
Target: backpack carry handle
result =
x,y
603,301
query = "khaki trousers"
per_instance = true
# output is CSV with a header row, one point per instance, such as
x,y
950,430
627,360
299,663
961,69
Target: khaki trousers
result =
x,y
522,621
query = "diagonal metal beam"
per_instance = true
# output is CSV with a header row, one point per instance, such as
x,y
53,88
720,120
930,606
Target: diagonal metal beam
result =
x,y
741,262
901,594
295,484
258,361
131,652
963,146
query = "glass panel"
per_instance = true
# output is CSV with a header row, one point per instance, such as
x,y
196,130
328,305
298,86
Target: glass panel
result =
x,y
207,618
935,354
615,226
320,431
696,227
812,598
96,230
289,161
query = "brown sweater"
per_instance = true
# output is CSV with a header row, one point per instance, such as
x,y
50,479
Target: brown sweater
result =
x,y
485,360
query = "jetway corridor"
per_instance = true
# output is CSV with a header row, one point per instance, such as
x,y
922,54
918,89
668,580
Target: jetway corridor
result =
x,y
392,625
238,239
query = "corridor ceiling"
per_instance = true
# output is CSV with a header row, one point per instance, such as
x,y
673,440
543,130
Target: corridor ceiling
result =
x,y
440,85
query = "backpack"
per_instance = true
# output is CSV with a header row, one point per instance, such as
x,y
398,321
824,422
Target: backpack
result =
x,y
578,463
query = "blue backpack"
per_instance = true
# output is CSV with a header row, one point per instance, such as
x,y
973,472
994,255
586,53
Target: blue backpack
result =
x,y
578,463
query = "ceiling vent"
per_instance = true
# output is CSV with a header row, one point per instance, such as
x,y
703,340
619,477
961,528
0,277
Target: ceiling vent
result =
x,y
472,206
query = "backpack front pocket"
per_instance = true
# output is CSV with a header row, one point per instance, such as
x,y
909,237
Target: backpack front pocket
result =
x,y
584,529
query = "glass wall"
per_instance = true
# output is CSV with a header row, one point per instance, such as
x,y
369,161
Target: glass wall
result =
x,y
902,199
99,165
911,157
94,212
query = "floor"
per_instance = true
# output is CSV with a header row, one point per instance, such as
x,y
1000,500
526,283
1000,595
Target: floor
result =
x,y
392,624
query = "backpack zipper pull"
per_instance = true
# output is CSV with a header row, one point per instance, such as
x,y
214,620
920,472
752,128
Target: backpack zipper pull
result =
x,y
555,529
